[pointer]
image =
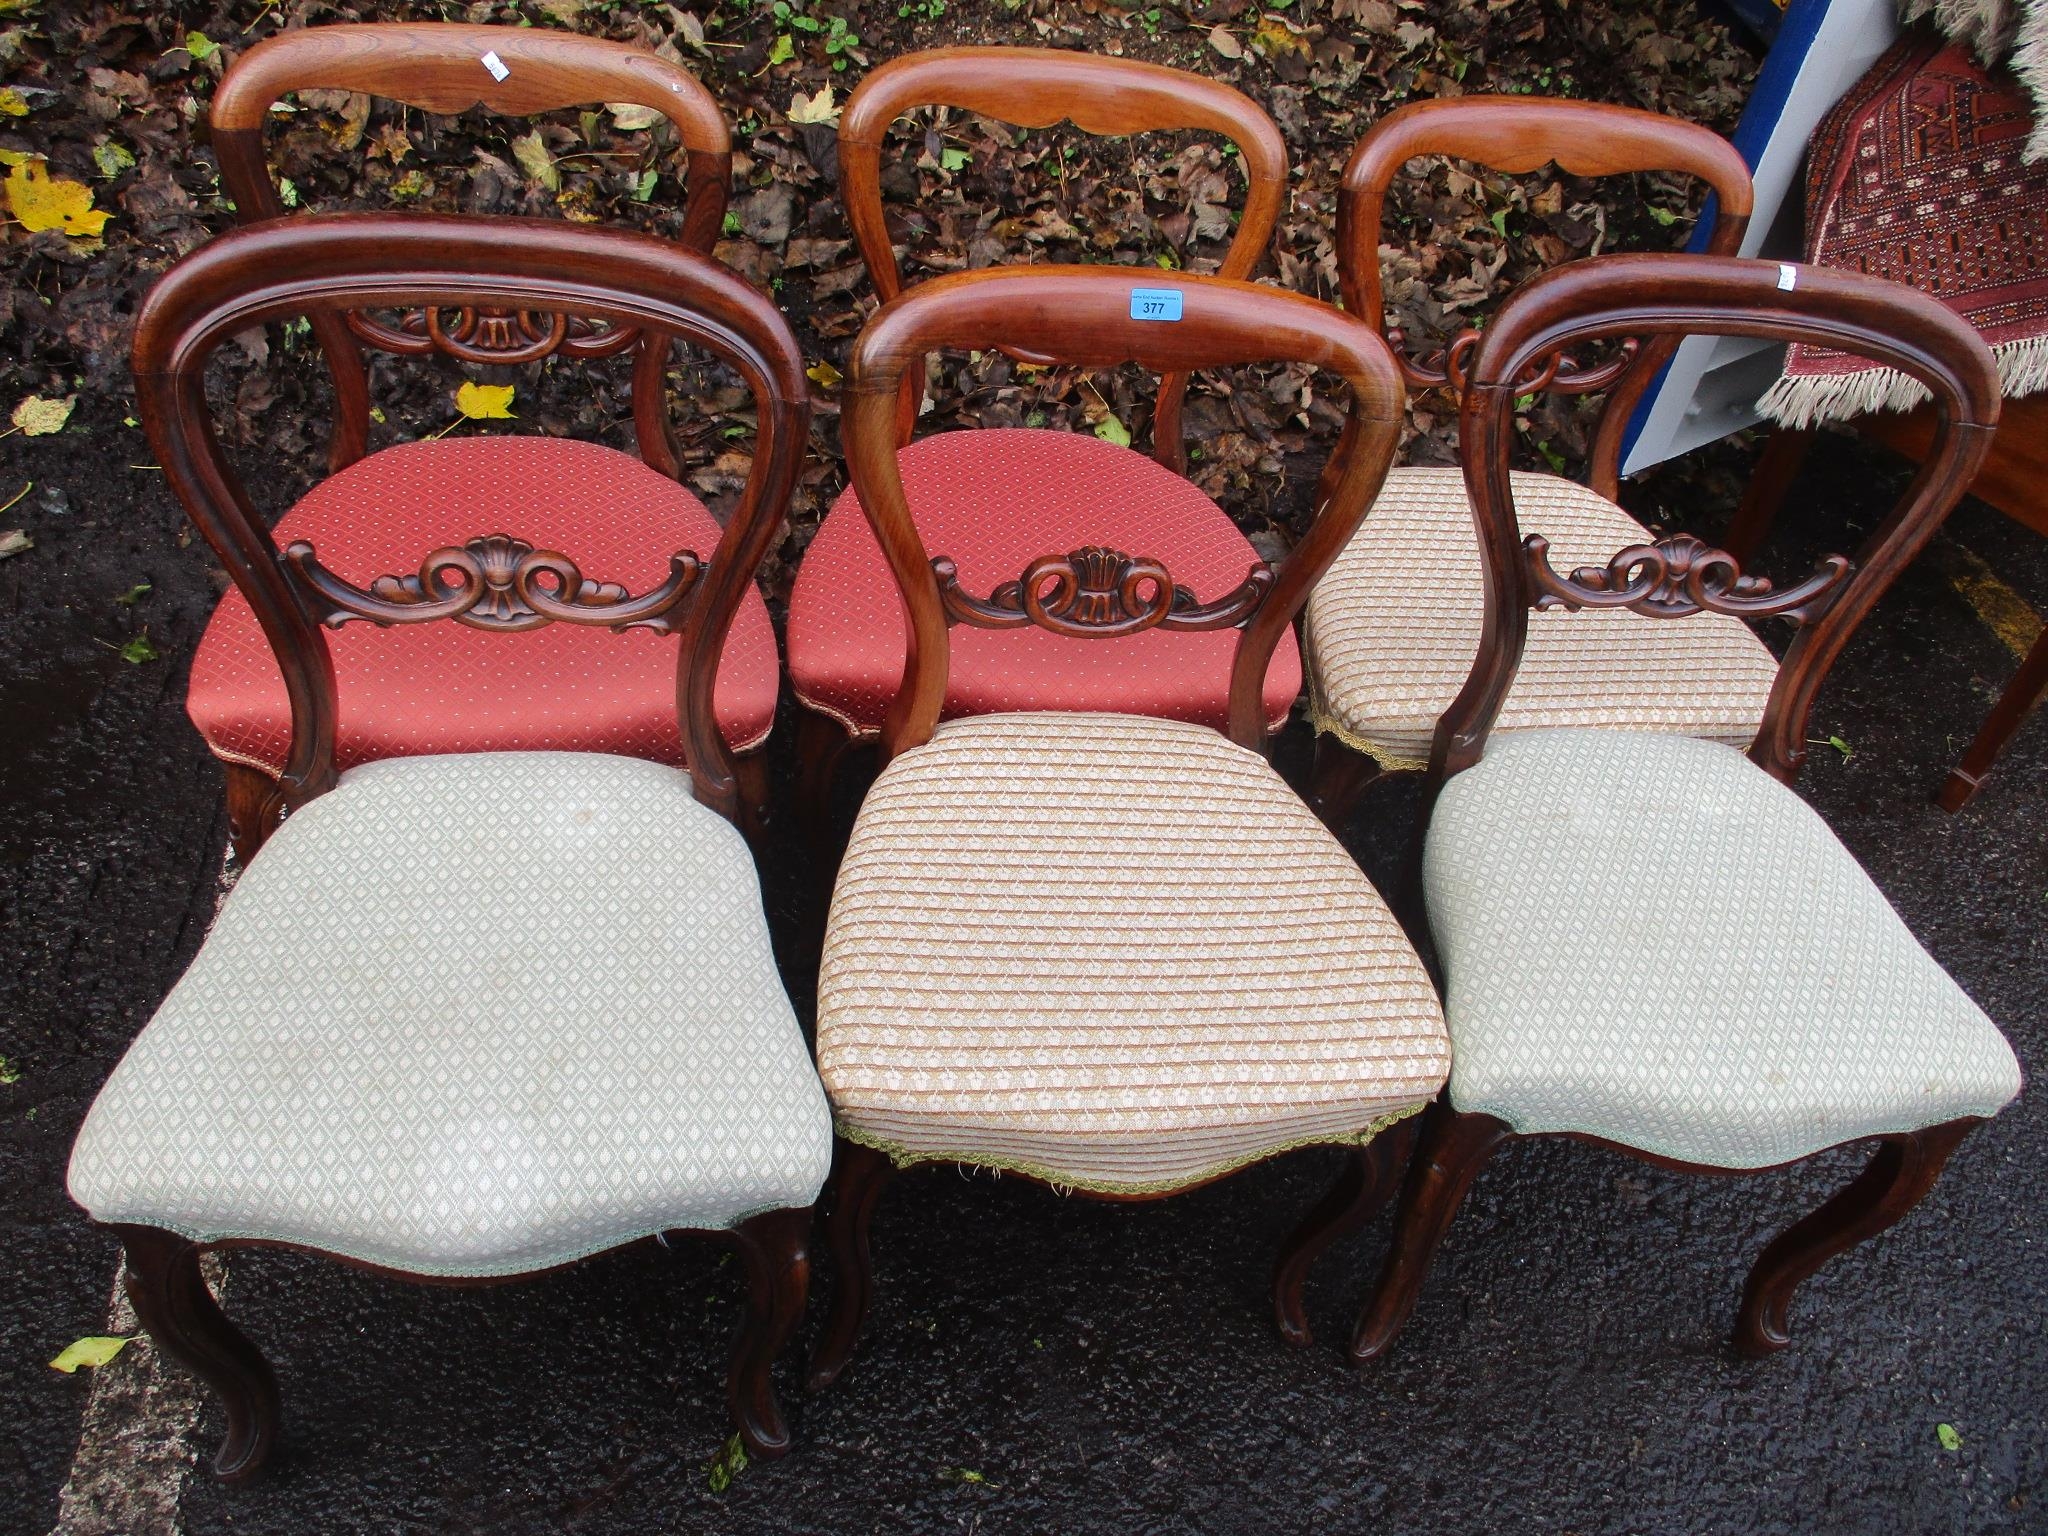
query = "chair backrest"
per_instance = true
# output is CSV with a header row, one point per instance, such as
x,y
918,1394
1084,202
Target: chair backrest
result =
x,y
448,67
1035,88
544,271
1088,316
1676,576
1518,134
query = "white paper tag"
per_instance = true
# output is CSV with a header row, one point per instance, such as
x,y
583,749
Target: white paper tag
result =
x,y
495,65
1788,276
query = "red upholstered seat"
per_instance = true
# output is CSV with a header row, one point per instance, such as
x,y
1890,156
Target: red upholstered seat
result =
x,y
446,687
994,500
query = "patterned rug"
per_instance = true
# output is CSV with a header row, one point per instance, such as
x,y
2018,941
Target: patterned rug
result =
x,y
1916,176
2009,32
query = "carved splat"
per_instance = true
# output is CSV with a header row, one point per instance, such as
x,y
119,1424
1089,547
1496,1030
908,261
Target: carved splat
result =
x,y
1097,593
491,333
497,583
1678,576
1561,374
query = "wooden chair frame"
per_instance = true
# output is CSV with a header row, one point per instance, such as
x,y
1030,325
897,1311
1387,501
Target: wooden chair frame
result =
x,y
1082,315
325,265
1668,296
438,67
1033,88
1516,135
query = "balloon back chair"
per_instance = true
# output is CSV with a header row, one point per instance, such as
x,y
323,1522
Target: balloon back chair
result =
x,y
1649,941
1001,496
1110,952
1389,633
599,501
557,961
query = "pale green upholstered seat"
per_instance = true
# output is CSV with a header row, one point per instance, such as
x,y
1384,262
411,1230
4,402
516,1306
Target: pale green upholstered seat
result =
x,y
1648,939
472,1015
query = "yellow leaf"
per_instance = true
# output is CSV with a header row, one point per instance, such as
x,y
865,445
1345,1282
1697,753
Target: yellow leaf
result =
x,y
96,1350
630,116
814,109
531,151
38,417
485,402
823,374
43,202
12,102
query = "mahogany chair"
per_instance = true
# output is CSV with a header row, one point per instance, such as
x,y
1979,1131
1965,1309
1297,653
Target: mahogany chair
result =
x,y
1000,496
1107,951
556,961
1389,633
1649,941
602,503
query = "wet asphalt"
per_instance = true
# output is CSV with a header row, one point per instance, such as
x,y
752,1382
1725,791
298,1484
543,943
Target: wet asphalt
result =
x,y
1038,1364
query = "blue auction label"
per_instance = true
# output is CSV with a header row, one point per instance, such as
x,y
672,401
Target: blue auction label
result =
x,y
1155,303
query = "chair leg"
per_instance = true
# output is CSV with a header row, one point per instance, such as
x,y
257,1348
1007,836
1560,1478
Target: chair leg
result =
x,y
1370,1176
179,1313
2026,689
821,743
750,769
1337,781
252,809
775,1250
1899,1173
1776,468
1454,1148
859,1176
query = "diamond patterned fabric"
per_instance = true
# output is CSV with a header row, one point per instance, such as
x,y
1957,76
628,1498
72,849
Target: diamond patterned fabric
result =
x,y
471,1015
1112,952
444,687
1649,939
994,500
1392,628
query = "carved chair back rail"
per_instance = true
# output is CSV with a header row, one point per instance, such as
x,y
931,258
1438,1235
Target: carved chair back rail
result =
x,y
328,264
1517,135
1668,297
446,67
1083,315
1036,88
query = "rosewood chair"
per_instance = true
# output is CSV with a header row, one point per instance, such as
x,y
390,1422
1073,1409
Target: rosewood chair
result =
x,y
384,504
1000,496
1110,952
1390,631
1649,941
555,963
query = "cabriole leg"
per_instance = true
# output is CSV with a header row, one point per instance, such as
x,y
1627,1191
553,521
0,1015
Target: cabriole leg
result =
x,y
1371,1174
180,1315
859,1176
775,1251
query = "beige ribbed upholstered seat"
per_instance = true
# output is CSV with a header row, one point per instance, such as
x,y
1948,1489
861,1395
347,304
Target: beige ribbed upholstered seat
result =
x,y
1391,631
1113,952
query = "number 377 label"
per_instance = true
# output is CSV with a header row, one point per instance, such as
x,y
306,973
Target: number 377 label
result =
x,y
1155,303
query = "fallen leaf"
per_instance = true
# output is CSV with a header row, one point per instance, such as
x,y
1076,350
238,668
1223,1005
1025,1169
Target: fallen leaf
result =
x,y
134,594
112,158
814,109
10,1074
485,402
200,46
728,1464
1946,1434
1110,430
1221,40
96,1349
138,651
42,201
14,542
782,50
823,374
38,417
531,151
13,103
631,117
952,159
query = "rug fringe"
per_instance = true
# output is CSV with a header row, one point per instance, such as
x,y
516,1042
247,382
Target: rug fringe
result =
x,y
1806,401
2011,32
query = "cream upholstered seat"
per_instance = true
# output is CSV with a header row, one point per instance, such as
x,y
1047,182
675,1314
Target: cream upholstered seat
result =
x,y
1648,939
1114,952
472,1015
1391,631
